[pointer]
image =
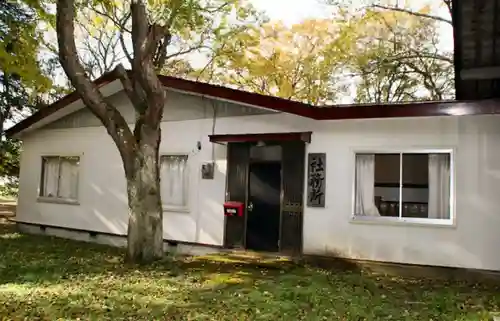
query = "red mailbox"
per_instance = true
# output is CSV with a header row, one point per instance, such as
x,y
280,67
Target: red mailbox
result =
x,y
233,208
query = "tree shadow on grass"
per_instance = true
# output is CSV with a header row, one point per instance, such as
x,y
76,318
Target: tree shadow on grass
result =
x,y
47,278
34,258
310,295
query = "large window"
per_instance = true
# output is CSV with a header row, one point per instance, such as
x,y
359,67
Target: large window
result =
x,y
59,179
404,186
174,182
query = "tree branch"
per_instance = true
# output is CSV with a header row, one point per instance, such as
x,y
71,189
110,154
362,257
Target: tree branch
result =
x,y
424,55
124,48
129,88
413,13
115,20
123,22
144,38
157,42
140,33
416,53
217,9
113,121
184,52
449,6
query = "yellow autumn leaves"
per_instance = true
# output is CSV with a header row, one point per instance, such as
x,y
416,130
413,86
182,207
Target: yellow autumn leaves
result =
x,y
318,60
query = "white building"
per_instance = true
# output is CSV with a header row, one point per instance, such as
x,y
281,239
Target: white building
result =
x,y
414,183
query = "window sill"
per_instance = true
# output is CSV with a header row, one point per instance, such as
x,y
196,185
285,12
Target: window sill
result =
x,y
403,221
57,200
171,209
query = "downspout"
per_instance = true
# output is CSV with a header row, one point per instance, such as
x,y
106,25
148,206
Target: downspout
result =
x,y
214,123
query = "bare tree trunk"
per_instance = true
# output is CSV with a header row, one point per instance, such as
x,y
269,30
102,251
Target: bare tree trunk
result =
x,y
145,236
138,149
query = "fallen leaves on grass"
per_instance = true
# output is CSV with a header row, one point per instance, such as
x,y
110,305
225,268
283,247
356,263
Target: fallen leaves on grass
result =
x,y
43,278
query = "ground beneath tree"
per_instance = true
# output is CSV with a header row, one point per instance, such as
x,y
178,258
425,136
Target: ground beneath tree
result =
x,y
7,207
43,278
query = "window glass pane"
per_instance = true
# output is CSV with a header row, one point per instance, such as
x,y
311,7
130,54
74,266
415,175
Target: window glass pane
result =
x,y
419,183
68,180
377,185
439,186
426,186
174,180
387,182
415,192
50,176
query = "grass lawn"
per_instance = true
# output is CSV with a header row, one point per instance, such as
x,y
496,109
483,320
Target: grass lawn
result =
x,y
43,278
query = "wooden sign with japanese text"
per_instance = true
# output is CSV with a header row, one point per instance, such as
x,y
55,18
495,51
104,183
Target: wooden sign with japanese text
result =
x,y
316,179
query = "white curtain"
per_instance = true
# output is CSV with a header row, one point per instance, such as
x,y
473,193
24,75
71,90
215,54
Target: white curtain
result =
x,y
50,176
174,181
365,186
439,186
68,181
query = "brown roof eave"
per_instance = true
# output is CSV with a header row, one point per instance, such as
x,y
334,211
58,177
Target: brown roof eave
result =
x,y
415,109
54,107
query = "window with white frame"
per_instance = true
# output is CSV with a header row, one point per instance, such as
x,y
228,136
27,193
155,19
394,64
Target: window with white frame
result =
x,y
408,186
174,179
59,178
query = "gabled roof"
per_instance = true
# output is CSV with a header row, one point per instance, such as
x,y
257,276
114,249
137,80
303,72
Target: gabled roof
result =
x,y
444,108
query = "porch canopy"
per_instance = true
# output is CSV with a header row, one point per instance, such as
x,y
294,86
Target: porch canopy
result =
x,y
248,138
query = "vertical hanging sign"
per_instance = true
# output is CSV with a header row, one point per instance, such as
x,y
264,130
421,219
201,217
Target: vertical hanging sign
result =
x,y
316,179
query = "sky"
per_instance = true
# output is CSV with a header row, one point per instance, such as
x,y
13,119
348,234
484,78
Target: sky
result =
x,y
292,11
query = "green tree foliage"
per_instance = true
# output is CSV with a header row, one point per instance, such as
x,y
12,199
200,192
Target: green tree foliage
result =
x,y
199,30
9,166
394,57
21,77
297,62
20,40
25,75
384,55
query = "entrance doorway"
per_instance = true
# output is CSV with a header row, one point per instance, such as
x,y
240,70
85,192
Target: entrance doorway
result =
x,y
266,173
264,207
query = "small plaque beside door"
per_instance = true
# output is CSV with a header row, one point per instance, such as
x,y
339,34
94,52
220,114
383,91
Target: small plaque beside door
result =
x,y
316,179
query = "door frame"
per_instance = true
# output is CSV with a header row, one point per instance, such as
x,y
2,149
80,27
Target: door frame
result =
x,y
228,238
280,198
248,140
299,151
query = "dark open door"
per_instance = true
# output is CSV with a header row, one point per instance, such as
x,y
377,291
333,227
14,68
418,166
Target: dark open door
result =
x,y
293,166
238,156
264,202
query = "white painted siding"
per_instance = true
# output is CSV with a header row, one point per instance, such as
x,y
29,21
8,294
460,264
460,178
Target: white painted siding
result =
x,y
180,106
471,243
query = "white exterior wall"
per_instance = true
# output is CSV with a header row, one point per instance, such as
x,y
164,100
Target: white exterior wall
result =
x,y
472,242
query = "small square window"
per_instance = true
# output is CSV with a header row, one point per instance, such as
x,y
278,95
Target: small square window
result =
x,y
59,178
